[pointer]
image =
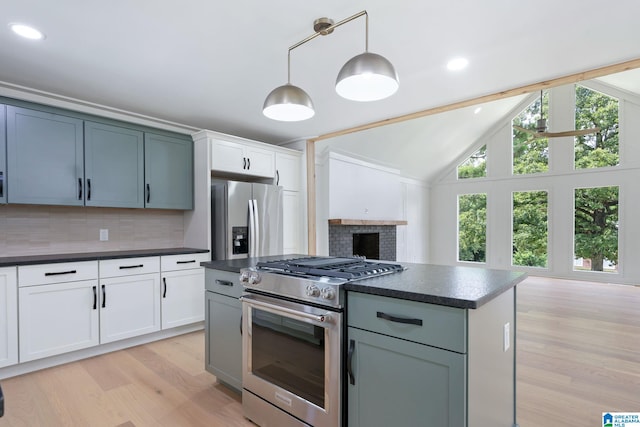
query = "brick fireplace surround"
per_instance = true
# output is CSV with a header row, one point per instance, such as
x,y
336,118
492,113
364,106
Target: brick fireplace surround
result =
x,y
341,236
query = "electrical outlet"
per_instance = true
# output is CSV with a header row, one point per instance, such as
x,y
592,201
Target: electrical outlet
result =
x,y
507,335
104,234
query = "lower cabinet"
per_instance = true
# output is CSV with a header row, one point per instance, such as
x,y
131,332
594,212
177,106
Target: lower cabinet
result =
x,y
58,318
403,383
182,287
223,327
8,316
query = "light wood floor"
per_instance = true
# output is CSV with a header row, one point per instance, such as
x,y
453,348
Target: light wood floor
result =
x,y
578,355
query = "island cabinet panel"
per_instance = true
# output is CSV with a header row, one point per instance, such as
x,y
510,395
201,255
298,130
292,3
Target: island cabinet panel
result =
x,y
45,157
402,383
114,166
168,172
8,316
3,156
223,330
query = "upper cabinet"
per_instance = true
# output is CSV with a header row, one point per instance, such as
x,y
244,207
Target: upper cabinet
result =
x,y
242,158
45,158
168,173
58,157
3,156
288,170
114,166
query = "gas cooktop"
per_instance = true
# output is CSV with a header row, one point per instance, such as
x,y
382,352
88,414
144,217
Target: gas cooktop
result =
x,y
342,268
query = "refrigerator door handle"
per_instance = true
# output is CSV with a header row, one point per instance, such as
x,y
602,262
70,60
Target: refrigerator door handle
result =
x,y
256,218
252,230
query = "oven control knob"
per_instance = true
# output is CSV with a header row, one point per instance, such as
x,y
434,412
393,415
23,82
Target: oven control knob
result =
x,y
254,278
328,293
312,291
244,276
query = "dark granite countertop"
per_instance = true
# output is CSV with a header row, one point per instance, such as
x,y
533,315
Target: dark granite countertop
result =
x,y
452,286
93,256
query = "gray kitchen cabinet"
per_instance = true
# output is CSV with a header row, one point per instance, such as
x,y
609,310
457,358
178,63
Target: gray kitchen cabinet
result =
x,y
3,156
414,363
114,166
45,157
223,330
168,172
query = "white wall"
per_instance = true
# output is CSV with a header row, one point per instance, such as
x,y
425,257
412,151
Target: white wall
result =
x,y
560,182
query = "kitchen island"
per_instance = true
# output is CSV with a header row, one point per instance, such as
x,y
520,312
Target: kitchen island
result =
x,y
431,345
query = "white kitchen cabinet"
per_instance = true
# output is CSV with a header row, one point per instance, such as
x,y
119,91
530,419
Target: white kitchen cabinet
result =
x,y
288,171
8,316
242,158
58,313
182,289
129,297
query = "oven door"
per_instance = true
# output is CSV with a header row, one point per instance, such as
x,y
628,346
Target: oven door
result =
x,y
291,358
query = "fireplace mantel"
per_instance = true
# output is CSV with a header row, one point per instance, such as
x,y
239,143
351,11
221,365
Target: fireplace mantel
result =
x,y
343,221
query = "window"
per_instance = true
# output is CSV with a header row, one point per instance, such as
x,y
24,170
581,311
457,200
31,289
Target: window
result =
x,y
530,155
472,227
594,109
596,229
530,229
475,166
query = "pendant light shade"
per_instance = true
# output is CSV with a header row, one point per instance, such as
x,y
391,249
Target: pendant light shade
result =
x,y
367,77
288,103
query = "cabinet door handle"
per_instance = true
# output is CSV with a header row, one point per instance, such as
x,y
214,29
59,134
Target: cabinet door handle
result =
x,y
95,297
396,319
244,163
186,262
104,297
248,163
223,282
352,348
58,273
88,188
241,324
125,267
1,183
148,193
277,177
79,188
164,293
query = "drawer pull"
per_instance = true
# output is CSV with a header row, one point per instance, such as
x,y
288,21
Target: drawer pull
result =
x,y
352,347
186,262
396,319
124,267
58,273
224,282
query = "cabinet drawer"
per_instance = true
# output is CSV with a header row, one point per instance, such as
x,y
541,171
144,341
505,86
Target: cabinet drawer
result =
x,y
442,327
128,266
44,274
182,262
223,282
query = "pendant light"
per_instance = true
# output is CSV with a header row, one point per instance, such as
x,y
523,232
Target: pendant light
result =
x,y
365,77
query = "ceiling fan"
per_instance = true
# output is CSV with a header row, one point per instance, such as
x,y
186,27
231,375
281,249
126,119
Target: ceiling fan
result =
x,y
540,130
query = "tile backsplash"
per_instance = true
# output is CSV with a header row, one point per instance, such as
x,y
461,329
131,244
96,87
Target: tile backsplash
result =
x,y
40,230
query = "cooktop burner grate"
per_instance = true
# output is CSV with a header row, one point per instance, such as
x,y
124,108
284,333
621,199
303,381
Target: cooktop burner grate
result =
x,y
344,268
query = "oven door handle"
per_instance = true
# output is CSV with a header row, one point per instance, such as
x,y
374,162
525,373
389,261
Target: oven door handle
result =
x,y
321,318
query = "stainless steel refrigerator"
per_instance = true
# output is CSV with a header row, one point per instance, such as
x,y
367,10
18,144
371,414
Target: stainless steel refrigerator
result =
x,y
246,220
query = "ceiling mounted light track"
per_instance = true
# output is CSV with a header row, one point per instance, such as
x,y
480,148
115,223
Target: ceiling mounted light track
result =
x,y
365,77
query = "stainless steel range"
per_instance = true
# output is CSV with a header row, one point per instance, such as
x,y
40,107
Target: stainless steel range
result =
x,y
292,349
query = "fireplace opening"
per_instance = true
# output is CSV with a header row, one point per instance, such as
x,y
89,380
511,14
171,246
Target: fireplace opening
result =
x,y
366,245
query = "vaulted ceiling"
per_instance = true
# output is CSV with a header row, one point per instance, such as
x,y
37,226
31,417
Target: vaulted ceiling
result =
x,y
210,64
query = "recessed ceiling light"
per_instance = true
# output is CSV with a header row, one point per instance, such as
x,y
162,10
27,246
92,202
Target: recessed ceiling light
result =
x,y
26,31
477,110
457,64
